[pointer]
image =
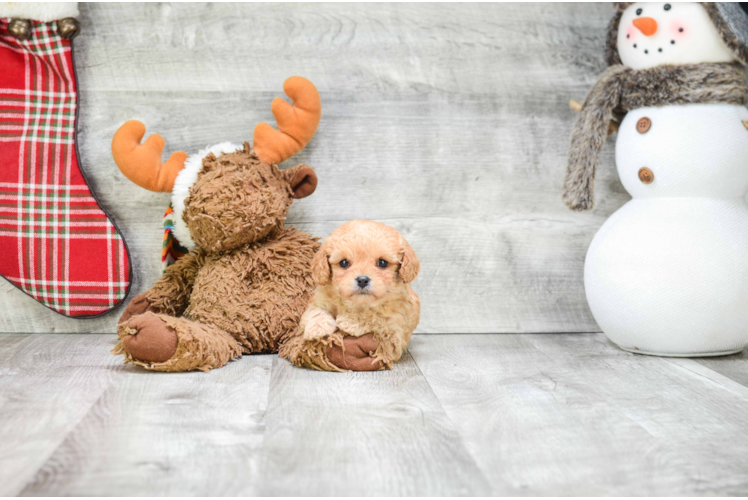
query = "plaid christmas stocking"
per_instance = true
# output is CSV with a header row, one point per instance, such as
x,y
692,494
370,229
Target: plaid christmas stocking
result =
x,y
56,243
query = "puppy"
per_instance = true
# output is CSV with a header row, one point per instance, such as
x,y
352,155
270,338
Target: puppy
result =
x,y
363,272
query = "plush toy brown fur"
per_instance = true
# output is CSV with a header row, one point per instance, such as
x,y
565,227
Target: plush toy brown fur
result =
x,y
246,285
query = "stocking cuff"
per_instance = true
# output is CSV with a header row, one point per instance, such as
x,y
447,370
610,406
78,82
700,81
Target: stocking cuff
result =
x,y
39,11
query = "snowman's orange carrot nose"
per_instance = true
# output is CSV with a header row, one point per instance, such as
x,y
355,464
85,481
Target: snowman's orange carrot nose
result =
x,y
646,25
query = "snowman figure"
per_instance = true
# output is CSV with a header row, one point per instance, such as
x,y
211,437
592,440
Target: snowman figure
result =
x,y
667,274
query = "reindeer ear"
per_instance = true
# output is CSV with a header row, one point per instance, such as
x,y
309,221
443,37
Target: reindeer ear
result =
x,y
303,180
321,269
409,263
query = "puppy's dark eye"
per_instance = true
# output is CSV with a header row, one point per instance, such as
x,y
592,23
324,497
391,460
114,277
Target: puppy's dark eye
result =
x,y
667,6
344,263
382,263
638,12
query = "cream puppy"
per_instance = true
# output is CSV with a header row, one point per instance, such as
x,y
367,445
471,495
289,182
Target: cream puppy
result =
x,y
363,272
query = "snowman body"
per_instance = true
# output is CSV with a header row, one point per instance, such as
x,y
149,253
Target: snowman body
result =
x,y
667,273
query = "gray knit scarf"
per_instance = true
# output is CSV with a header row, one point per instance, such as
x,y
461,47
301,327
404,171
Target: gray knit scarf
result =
x,y
621,89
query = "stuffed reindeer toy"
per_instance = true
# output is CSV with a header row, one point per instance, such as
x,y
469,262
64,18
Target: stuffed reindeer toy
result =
x,y
247,279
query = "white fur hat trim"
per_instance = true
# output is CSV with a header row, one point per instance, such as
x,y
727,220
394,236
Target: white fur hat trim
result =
x,y
39,11
185,180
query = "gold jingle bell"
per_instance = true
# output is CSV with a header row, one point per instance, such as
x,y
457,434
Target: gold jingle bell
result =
x,y
68,28
20,29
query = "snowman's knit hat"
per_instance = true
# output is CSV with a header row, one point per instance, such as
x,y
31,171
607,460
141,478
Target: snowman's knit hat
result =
x,y
729,19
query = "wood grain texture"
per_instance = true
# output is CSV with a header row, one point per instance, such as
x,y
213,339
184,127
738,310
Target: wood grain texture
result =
x,y
732,367
184,434
574,415
459,415
448,121
362,434
48,384
218,434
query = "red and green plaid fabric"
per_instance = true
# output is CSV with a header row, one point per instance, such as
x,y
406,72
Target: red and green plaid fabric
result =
x,y
56,243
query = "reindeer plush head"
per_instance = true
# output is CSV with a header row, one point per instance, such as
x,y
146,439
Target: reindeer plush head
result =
x,y
227,195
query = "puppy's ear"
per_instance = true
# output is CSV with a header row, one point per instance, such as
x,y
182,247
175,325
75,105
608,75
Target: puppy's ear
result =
x,y
321,269
303,180
409,263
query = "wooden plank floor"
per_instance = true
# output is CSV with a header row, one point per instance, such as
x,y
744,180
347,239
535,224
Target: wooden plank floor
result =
x,y
521,414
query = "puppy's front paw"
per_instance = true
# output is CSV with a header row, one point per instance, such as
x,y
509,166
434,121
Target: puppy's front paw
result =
x,y
319,324
348,325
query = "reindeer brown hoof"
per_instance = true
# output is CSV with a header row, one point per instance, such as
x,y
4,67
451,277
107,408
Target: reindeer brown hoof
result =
x,y
137,306
155,342
354,354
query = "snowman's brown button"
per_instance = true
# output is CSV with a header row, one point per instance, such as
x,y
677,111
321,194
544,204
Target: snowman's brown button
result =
x,y
646,175
642,126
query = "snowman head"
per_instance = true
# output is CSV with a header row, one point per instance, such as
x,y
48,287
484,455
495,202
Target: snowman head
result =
x,y
645,35
651,34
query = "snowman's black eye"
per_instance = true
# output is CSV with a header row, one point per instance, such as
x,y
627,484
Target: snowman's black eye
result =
x,y
667,6
638,12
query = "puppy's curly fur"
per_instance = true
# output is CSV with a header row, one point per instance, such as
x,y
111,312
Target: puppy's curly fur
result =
x,y
386,306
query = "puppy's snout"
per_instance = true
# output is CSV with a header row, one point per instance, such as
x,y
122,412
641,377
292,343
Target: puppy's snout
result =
x,y
363,281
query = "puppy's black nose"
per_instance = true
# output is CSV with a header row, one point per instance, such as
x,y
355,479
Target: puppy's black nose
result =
x,y
363,281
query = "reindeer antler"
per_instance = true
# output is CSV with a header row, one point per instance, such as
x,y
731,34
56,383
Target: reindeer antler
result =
x,y
297,123
141,163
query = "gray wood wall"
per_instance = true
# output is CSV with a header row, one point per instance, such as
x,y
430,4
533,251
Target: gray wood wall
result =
x,y
449,122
